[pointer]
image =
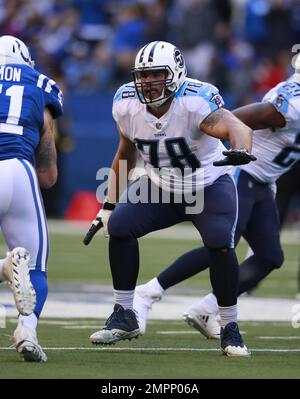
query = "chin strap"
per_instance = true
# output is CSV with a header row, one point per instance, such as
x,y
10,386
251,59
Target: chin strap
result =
x,y
159,102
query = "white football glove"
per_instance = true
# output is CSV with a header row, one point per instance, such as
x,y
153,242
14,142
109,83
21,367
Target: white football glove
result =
x,y
104,215
101,220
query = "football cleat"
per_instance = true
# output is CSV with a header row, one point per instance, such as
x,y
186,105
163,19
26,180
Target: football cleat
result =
x,y
16,272
26,344
203,321
231,341
121,324
142,304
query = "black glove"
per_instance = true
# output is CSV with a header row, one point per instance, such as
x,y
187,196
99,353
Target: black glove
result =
x,y
100,219
235,157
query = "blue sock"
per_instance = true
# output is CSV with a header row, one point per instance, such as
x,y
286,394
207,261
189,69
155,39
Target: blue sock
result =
x,y
39,282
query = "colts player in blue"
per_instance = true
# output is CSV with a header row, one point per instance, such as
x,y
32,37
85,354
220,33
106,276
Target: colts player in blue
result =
x,y
175,124
276,144
29,103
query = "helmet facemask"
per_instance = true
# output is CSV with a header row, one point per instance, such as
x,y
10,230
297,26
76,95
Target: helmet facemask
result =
x,y
144,88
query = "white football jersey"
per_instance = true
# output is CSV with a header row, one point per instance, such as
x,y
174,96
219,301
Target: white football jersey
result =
x,y
278,149
173,144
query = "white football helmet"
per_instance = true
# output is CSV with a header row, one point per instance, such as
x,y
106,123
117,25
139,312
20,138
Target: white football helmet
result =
x,y
14,51
159,56
296,63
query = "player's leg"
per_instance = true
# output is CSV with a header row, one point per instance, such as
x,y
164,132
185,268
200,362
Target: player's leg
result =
x,y
128,222
287,186
250,193
262,233
198,259
216,225
181,269
202,314
263,236
25,225
14,268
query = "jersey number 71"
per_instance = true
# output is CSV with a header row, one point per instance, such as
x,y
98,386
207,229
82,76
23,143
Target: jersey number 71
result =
x,y
11,125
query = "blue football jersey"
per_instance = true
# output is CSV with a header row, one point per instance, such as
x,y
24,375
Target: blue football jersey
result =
x,y
24,94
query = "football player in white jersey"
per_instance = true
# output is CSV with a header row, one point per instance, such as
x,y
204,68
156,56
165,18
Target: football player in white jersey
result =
x,y
288,185
276,144
175,124
30,101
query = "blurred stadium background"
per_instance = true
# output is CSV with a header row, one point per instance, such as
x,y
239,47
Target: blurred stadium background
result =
x,y
244,47
88,46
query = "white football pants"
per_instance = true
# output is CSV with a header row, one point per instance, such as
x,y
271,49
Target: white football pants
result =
x,y
22,216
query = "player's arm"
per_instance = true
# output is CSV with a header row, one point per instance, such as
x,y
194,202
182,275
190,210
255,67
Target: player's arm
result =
x,y
260,116
46,166
125,152
225,126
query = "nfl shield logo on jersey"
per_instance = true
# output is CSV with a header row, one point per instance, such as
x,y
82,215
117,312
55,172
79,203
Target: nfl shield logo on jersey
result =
x,y
216,98
279,101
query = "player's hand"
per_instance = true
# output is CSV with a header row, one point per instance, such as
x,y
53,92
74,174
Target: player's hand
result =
x,y
101,220
235,157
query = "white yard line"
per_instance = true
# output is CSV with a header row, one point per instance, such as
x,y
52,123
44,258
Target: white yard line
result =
x,y
83,327
185,332
130,349
284,338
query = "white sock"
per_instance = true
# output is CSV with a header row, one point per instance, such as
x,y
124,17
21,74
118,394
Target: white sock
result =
x,y
124,298
210,303
228,314
29,321
154,285
2,278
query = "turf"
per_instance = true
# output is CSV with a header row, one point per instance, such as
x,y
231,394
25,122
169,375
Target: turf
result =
x,y
181,353
71,262
170,349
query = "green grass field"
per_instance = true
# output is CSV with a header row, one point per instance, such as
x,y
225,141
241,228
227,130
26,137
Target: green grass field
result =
x,y
72,262
170,349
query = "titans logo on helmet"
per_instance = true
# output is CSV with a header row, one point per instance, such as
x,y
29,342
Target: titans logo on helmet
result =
x,y
178,58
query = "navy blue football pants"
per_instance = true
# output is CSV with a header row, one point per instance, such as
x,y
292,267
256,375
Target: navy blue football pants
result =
x,y
216,224
258,223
